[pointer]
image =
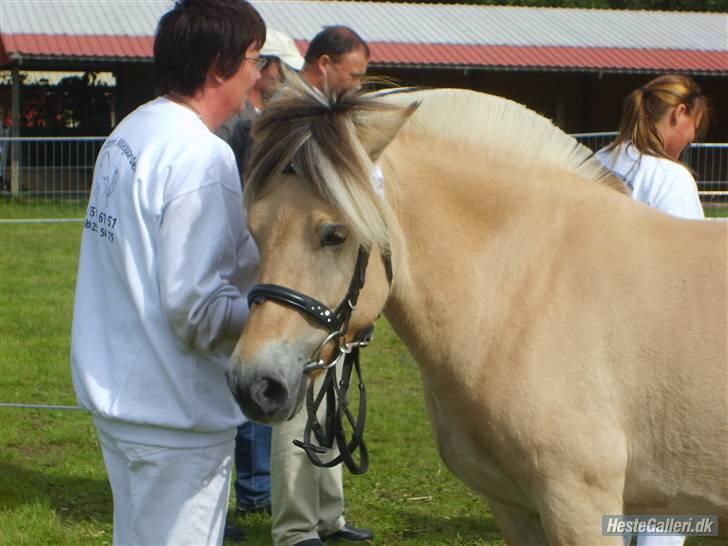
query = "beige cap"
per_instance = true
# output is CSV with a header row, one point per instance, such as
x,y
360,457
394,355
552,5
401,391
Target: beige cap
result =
x,y
278,44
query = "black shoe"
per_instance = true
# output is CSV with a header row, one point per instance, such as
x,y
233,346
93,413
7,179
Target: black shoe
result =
x,y
233,532
349,533
263,509
311,542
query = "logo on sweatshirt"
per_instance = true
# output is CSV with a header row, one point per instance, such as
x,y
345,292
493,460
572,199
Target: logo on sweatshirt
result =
x,y
108,178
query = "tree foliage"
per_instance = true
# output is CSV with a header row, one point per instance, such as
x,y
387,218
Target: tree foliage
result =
x,y
666,5
76,105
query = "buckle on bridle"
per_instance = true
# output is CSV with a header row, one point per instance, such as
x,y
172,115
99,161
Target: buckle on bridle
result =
x,y
346,348
316,362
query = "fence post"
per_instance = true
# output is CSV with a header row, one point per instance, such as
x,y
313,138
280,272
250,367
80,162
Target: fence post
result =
x,y
15,132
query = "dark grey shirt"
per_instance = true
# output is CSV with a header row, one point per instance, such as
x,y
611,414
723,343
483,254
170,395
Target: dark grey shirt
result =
x,y
236,132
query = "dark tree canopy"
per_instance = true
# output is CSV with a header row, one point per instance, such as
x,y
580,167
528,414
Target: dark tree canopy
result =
x,y
667,5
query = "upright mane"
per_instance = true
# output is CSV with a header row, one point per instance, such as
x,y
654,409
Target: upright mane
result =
x,y
500,128
316,136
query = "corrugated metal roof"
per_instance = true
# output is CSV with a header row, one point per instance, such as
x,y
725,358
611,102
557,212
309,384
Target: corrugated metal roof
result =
x,y
503,25
400,34
82,17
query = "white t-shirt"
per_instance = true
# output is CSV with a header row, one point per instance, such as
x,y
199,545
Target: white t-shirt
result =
x,y
166,259
656,181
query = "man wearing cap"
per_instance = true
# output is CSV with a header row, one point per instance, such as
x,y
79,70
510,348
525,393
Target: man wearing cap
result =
x,y
278,48
253,440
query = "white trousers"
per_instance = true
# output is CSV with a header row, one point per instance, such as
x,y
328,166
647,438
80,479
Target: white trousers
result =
x,y
168,496
656,540
306,501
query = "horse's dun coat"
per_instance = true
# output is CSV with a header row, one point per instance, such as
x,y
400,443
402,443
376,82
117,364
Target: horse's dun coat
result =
x,y
572,341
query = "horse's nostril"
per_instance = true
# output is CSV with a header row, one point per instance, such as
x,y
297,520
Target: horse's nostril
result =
x,y
275,390
269,394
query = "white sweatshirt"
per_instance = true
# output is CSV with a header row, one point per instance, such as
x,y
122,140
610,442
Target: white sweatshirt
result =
x,y
166,259
656,181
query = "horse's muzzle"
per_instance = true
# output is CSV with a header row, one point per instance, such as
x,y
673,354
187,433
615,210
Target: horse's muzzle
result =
x,y
266,398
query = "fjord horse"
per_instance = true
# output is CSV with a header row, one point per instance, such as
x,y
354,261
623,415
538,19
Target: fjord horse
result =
x,y
571,341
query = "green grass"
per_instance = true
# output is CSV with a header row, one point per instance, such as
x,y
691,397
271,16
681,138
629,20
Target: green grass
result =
x,y
53,488
34,208
716,211
37,208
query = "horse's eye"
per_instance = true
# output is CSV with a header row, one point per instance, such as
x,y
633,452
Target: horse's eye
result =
x,y
333,234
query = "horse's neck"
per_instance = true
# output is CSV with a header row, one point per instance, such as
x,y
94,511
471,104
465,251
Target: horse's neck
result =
x,y
468,229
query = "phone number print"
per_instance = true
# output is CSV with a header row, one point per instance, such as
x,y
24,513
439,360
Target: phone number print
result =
x,y
97,221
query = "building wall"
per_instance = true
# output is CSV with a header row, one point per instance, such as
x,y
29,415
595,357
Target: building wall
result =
x,y
134,86
577,101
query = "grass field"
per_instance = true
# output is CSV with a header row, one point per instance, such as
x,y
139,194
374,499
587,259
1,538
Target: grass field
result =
x,y
53,488
29,208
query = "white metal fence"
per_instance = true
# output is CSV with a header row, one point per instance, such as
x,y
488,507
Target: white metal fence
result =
x,y
50,177
595,141
46,177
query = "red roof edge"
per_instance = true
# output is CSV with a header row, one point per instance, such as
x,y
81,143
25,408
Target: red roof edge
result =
x,y
57,45
607,58
394,53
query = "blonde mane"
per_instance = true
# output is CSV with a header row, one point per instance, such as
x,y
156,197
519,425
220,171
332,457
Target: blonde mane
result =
x,y
500,129
317,137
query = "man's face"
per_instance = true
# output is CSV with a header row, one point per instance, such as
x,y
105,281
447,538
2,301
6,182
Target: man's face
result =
x,y
347,73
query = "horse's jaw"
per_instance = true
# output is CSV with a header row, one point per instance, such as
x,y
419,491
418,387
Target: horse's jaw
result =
x,y
270,386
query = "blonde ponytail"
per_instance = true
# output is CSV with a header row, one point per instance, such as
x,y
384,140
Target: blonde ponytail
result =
x,y
647,105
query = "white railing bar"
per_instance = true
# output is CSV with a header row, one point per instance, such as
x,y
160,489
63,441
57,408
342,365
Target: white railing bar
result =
x,y
594,135
39,220
41,406
708,145
52,139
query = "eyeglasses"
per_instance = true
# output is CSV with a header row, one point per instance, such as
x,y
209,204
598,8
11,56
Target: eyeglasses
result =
x,y
259,62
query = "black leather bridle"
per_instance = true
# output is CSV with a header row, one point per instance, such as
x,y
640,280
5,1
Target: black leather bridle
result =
x,y
337,323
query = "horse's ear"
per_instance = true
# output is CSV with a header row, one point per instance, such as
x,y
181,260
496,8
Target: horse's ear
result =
x,y
378,129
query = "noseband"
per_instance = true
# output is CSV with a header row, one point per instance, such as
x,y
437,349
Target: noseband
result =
x,y
337,323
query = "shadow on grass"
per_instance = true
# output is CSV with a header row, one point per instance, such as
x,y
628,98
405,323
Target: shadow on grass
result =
x,y
256,526
71,498
470,529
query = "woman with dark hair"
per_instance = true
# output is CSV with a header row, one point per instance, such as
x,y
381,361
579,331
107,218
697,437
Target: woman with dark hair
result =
x,y
166,259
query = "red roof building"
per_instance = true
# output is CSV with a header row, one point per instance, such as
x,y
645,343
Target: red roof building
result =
x,y
574,65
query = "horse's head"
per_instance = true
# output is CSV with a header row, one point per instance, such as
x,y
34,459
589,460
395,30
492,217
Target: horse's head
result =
x,y
315,214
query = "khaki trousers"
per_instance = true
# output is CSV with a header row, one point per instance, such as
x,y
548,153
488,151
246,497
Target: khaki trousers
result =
x,y
306,501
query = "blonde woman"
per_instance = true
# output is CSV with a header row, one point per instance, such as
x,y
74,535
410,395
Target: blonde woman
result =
x,y
659,120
